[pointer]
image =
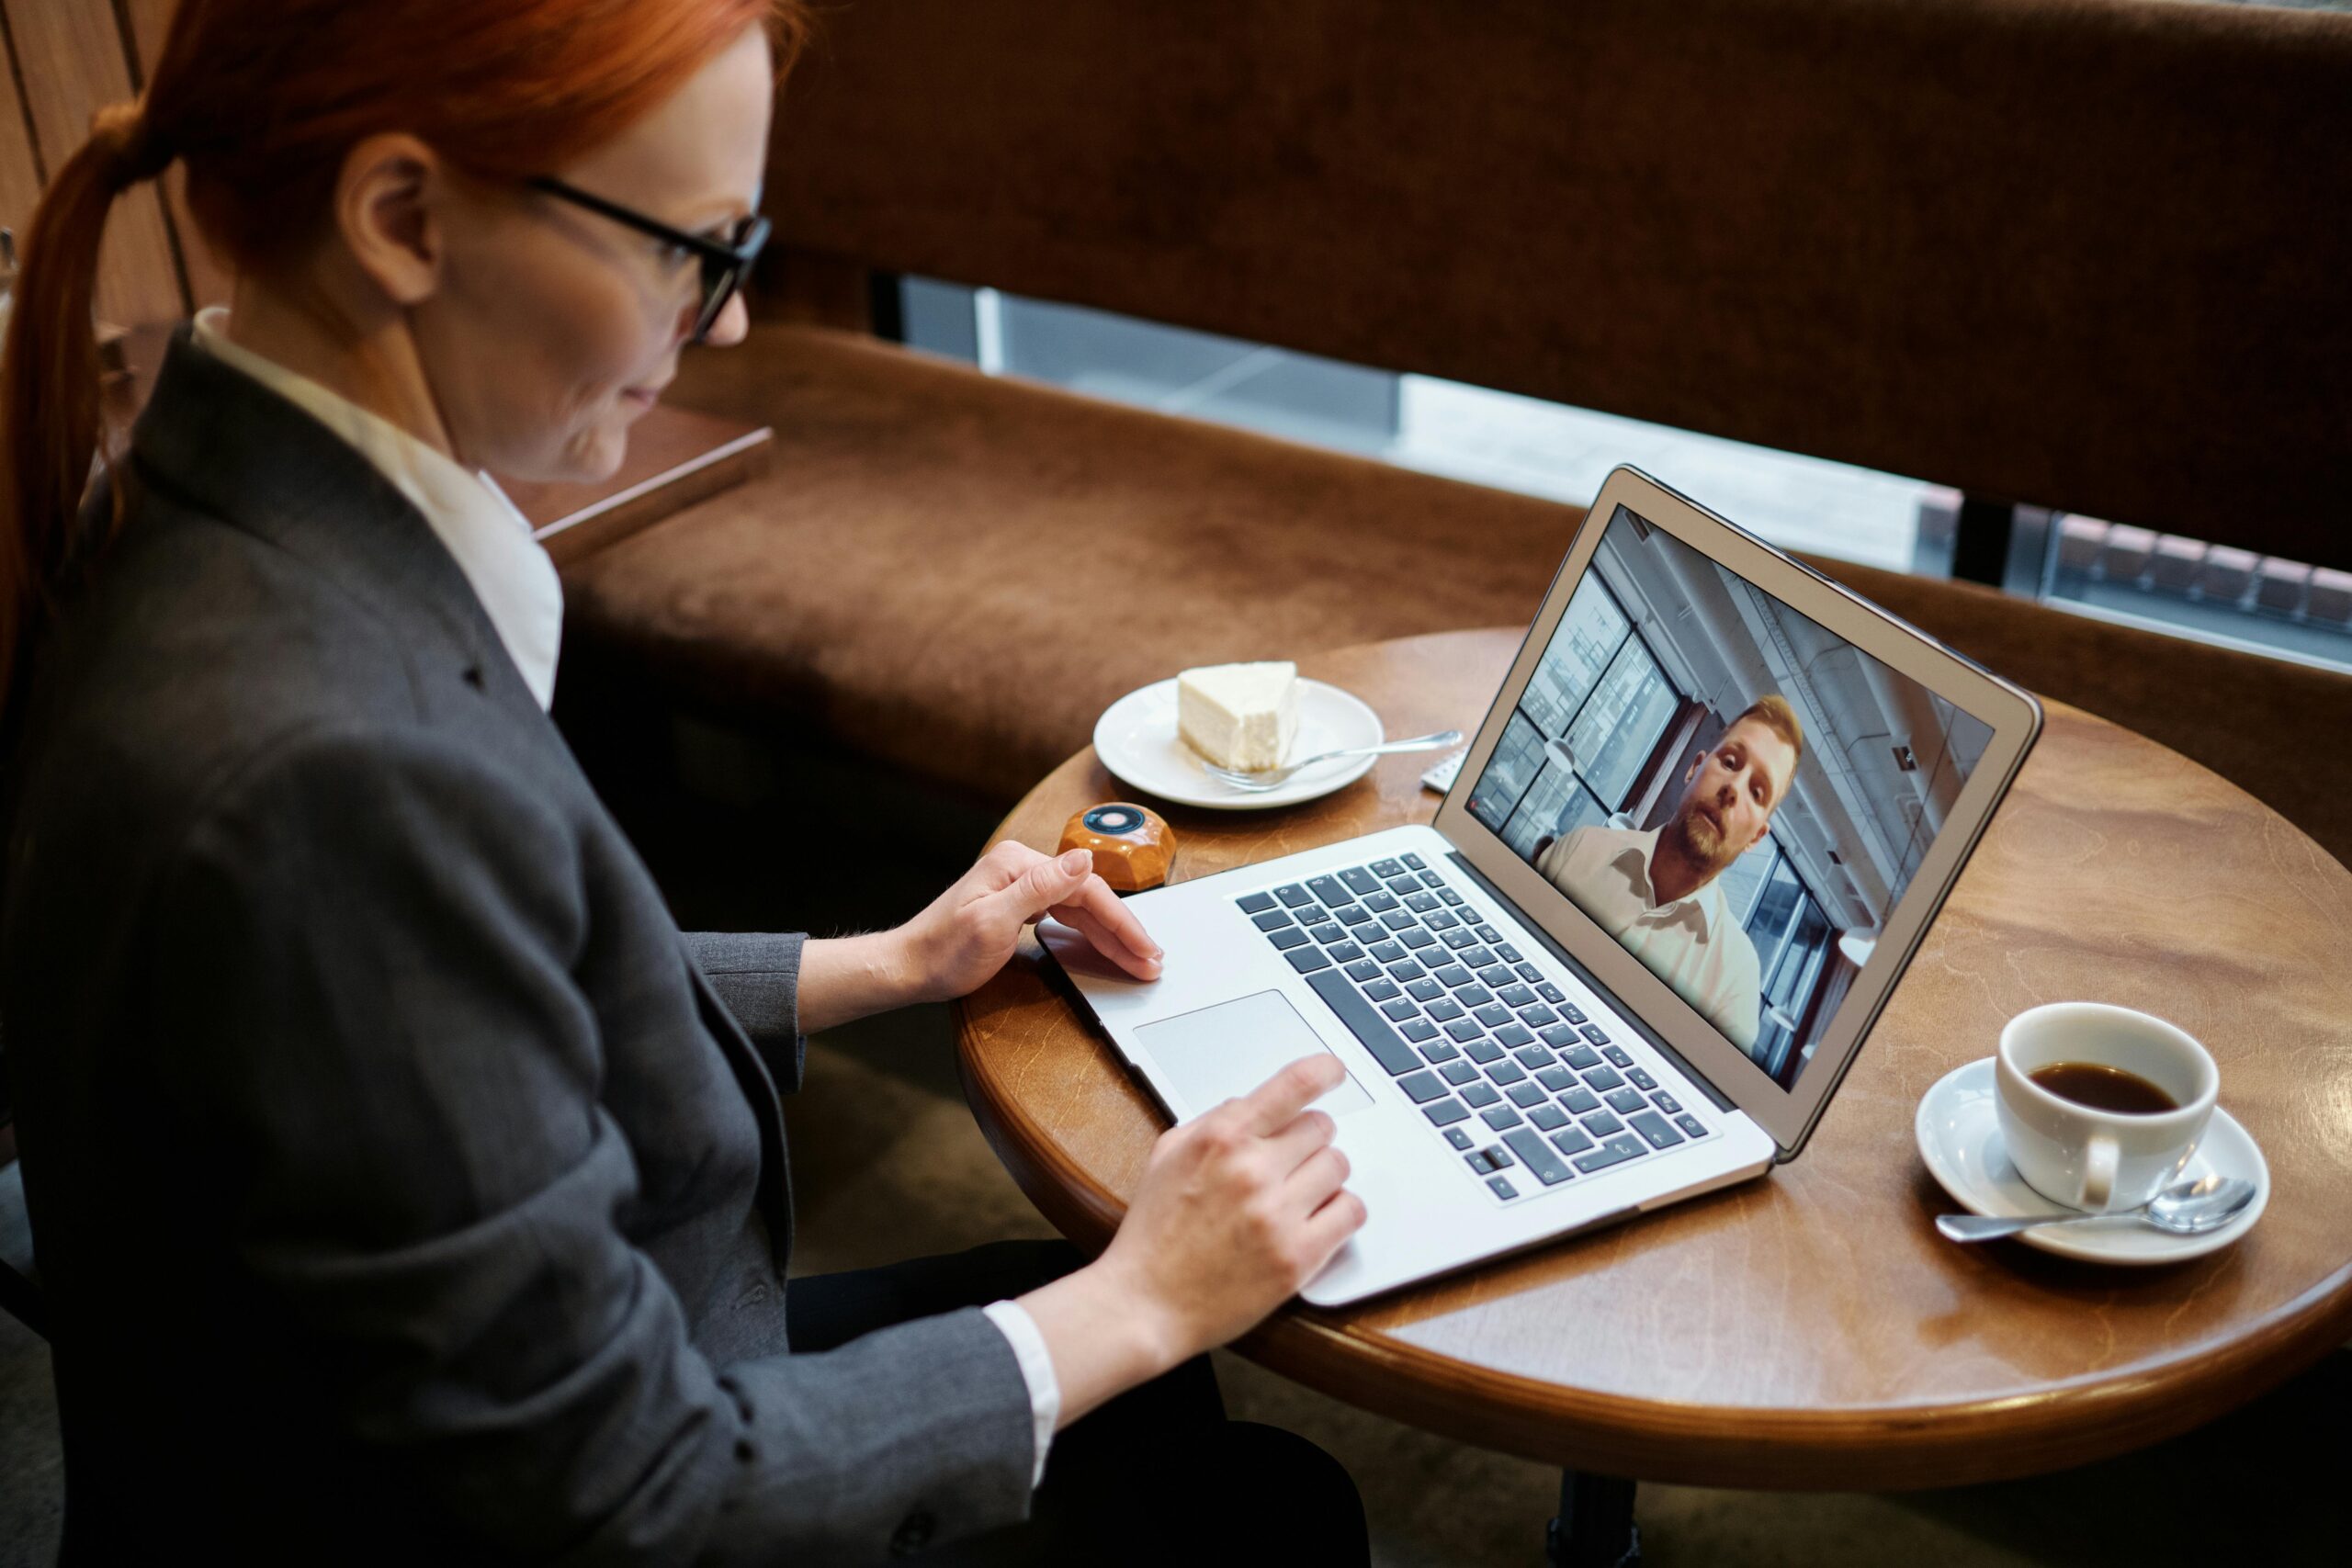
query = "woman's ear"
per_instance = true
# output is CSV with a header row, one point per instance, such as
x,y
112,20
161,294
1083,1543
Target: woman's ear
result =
x,y
390,208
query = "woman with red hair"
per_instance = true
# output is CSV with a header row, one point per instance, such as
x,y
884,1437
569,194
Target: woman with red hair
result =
x,y
405,1184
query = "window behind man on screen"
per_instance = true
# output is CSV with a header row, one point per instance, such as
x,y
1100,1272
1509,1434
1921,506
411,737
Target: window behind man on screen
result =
x,y
1733,793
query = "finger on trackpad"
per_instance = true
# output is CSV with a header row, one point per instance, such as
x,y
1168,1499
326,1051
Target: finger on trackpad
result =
x,y
1223,1052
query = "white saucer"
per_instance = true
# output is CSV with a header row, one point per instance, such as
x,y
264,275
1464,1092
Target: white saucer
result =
x,y
1136,739
1960,1137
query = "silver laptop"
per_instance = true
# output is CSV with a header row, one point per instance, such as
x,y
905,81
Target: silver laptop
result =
x,y
1691,851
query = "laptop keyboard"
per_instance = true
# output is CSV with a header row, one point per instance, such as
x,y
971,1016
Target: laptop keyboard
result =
x,y
1494,1050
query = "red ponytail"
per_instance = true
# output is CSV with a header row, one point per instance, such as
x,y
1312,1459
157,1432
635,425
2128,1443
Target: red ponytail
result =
x,y
262,98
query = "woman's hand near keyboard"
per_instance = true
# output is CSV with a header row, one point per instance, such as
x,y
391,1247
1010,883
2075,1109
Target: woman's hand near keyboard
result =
x,y
1237,1210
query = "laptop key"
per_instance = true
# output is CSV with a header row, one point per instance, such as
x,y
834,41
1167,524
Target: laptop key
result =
x,y
1551,993
1616,1054
1445,1010
1311,914
1439,1051
1551,1118
1555,1078
1527,972
1381,990
1501,1116
1501,1188
1465,1029
1400,886
1256,903
1528,1096
1572,1013
1329,932
1426,989
1640,1079
1416,862
1363,971
1417,938
1654,1128
1458,939
1388,952
1583,1058
1457,1137
1388,868
1477,957
1580,1100
1667,1103
1458,1072
1616,1151
1474,995
1449,896
1422,903
1508,954
1537,1016
1480,1093
1507,1073
1354,914
1431,879
1601,1080
1494,1015
1455,977
1592,1032
1470,913
1307,960
1330,889
1512,1035
1691,1124
1271,918
1516,997
1359,881
1627,1101
1601,1125
1495,974
1418,1030
1439,920
1422,1087
1399,1010
1483,1050
1488,933
1286,938
1294,895
1344,952
1369,1028
1537,1155
1560,1038
1572,1142
1380,903
1399,920
1532,1056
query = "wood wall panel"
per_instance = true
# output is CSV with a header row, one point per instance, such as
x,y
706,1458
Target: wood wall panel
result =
x,y
70,58
20,167
208,280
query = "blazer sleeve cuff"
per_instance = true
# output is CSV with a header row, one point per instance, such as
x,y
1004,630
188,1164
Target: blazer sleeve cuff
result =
x,y
757,976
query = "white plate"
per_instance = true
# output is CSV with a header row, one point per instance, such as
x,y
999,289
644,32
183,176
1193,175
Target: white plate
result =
x,y
1960,1137
1136,739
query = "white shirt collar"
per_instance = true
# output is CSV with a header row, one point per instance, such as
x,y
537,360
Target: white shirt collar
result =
x,y
1703,902
488,536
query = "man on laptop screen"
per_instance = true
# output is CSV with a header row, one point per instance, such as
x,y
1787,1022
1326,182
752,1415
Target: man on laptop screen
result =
x,y
1656,891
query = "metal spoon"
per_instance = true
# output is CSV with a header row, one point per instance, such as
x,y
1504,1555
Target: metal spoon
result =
x,y
2188,1208
1274,778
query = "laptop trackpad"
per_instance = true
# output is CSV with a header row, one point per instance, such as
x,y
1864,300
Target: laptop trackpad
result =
x,y
1224,1052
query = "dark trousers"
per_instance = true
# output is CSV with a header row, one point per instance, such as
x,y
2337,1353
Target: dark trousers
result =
x,y
1157,1475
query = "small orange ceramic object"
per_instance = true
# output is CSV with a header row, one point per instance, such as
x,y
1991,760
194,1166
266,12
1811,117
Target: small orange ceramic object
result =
x,y
1132,846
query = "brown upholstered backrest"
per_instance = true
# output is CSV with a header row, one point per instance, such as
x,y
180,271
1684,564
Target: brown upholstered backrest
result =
x,y
2085,253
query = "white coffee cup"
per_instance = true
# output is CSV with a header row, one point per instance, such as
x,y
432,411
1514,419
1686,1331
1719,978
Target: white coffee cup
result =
x,y
2077,1154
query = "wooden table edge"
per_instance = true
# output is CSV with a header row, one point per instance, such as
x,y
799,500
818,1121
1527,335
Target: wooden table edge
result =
x,y
1874,1447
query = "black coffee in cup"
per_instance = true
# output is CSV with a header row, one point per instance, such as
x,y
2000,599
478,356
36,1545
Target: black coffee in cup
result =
x,y
2103,1087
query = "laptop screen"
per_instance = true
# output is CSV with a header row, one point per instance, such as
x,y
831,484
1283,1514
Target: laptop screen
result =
x,y
1735,794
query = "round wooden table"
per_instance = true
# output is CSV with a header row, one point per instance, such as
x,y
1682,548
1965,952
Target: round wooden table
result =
x,y
1810,1329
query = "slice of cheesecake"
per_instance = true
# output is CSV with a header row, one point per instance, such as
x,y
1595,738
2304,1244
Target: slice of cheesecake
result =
x,y
1240,715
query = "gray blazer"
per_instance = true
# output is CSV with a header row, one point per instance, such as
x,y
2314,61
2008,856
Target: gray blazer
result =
x,y
403,1186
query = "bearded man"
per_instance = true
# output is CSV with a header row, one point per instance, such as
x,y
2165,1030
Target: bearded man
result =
x,y
1655,891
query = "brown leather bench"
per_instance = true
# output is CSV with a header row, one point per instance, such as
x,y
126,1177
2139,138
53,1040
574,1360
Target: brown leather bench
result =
x,y
2086,256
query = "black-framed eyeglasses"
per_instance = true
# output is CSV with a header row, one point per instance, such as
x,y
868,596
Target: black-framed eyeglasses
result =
x,y
725,262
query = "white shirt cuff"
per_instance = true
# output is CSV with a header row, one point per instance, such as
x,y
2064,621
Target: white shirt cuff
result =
x,y
1020,1330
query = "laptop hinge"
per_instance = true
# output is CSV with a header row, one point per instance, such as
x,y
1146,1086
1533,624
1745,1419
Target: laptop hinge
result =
x,y
1722,1102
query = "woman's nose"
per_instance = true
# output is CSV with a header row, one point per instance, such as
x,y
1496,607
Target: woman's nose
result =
x,y
733,325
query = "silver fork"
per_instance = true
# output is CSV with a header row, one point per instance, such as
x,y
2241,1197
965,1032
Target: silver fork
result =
x,y
1274,778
